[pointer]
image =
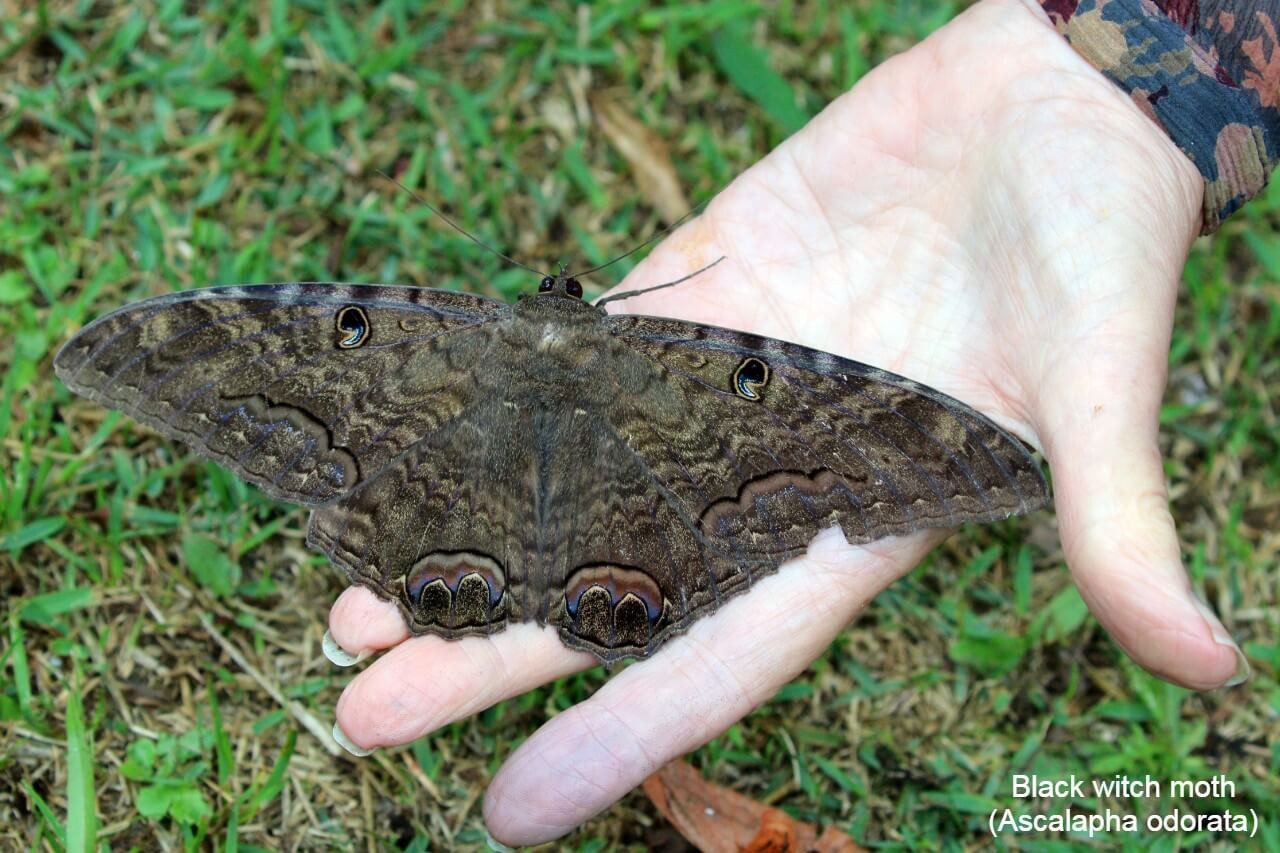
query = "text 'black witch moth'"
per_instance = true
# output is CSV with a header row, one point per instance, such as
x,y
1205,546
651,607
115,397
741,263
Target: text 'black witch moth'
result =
x,y
479,463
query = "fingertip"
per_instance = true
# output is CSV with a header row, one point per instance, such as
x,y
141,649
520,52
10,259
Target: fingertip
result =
x,y
360,623
429,682
1134,582
496,845
540,793
339,656
341,739
497,821
1188,658
1231,658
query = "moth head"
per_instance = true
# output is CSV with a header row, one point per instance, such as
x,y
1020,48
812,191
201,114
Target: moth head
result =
x,y
563,284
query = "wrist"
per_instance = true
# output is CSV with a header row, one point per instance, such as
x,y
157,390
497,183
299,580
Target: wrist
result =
x,y
1083,58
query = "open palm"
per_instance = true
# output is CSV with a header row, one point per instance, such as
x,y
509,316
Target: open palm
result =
x,y
984,213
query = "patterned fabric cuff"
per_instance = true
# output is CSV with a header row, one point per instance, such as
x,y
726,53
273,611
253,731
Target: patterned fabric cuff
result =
x,y
1181,84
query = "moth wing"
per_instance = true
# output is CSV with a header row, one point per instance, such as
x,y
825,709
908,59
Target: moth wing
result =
x,y
733,451
305,390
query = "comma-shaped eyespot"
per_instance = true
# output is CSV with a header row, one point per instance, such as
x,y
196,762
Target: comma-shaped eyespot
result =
x,y
353,326
750,379
456,590
613,606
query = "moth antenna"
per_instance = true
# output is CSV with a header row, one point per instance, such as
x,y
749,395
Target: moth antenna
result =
x,y
456,227
627,294
664,232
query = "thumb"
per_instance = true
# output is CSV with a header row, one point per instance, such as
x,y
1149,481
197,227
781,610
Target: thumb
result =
x,y
1099,427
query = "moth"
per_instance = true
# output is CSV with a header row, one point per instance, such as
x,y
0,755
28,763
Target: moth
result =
x,y
479,463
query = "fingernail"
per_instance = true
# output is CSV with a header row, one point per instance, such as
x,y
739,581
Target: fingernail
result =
x,y
496,845
1222,638
345,742
337,655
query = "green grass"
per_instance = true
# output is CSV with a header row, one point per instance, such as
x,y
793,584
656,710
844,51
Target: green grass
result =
x,y
146,147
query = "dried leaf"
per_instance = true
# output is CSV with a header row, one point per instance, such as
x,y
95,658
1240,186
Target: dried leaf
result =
x,y
647,155
717,820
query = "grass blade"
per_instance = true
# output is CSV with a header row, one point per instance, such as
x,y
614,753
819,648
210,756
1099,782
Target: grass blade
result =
x,y
275,782
747,67
82,817
46,814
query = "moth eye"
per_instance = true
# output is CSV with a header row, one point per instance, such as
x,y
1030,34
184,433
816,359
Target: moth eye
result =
x,y
546,285
573,288
353,327
750,378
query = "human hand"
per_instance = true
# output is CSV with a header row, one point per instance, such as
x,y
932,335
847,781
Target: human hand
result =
x,y
984,213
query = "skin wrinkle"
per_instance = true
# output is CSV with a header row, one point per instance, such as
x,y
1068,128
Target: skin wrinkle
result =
x,y
1189,183
1019,309
387,728
1180,645
904,227
930,324
572,806
481,658
739,699
827,611
579,715
1001,382
380,691
723,236
815,199
1095,534
883,151
776,299
633,738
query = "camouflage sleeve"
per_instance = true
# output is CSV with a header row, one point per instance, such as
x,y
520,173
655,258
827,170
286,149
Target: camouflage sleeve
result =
x,y
1207,71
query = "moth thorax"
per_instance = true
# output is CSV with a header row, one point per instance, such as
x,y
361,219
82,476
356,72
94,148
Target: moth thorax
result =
x,y
552,337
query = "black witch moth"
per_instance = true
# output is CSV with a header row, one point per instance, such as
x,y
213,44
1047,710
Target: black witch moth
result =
x,y
479,463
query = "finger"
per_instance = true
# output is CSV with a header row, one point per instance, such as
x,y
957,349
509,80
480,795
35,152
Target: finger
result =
x,y
1114,519
589,756
428,682
360,624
